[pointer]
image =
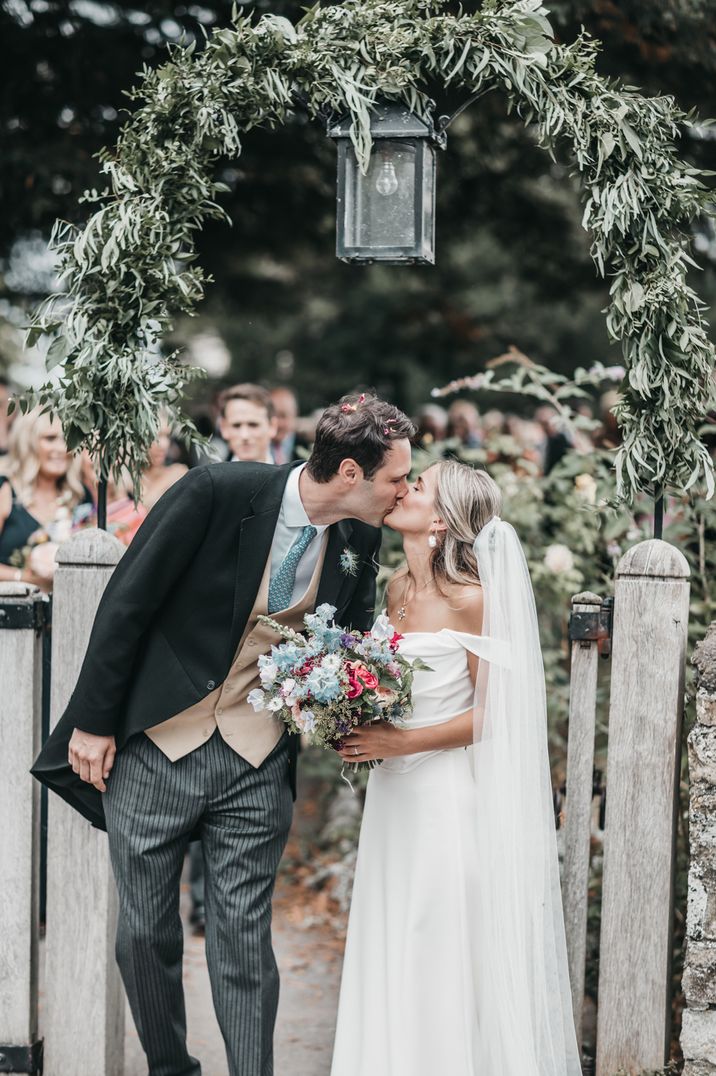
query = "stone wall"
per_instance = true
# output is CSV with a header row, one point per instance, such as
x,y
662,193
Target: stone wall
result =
x,y
698,1035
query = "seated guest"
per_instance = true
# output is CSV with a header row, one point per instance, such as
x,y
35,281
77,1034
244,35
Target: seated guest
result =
x,y
247,423
41,498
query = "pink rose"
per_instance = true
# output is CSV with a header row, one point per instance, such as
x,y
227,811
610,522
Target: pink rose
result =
x,y
359,672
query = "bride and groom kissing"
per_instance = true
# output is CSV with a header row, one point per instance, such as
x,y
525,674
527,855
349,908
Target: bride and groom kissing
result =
x,y
455,958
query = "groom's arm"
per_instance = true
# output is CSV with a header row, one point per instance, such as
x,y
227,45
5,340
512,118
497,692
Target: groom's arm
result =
x,y
361,609
160,552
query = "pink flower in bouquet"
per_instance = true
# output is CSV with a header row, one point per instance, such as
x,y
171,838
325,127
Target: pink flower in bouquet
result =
x,y
360,679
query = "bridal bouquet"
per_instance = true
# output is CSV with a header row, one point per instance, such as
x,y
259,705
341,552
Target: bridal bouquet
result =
x,y
327,682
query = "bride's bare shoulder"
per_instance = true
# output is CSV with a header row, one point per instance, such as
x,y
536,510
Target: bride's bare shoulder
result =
x,y
466,605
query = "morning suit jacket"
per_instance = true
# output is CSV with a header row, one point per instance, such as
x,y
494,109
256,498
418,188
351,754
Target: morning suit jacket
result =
x,y
175,609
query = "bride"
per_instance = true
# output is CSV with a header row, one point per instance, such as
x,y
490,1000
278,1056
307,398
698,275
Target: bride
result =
x,y
455,958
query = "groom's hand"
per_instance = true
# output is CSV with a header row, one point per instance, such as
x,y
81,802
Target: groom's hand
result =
x,y
92,757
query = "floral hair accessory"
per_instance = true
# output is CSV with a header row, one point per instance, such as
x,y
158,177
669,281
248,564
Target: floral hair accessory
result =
x,y
347,407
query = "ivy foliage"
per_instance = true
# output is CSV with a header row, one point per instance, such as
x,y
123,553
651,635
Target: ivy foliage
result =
x,y
131,270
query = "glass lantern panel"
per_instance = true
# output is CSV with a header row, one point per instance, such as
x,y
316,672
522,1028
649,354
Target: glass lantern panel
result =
x,y
428,232
384,198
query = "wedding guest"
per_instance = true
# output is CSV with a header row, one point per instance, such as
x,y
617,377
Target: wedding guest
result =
x,y
609,436
39,491
285,441
464,423
248,423
431,421
555,441
124,517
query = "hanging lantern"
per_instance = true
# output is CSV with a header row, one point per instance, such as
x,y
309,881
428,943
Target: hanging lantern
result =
x,y
388,214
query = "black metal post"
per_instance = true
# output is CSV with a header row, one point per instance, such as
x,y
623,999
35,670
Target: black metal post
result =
x,y
658,511
102,504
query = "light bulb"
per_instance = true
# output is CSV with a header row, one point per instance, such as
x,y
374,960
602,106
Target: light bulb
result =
x,y
387,181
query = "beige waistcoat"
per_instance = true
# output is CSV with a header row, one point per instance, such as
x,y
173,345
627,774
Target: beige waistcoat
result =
x,y
252,735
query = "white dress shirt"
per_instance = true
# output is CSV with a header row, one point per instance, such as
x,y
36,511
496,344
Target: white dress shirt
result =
x,y
291,520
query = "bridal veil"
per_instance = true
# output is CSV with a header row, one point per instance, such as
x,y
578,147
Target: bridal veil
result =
x,y
525,1021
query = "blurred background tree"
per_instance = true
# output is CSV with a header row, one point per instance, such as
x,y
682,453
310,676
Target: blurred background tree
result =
x,y
512,263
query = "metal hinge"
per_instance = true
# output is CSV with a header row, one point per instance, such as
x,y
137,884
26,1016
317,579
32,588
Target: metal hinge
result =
x,y
16,615
22,1058
594,625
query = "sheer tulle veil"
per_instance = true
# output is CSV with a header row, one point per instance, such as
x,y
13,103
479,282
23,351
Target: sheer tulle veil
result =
x,y
525,1025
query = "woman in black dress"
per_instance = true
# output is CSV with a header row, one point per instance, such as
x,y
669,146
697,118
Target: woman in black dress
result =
x,y
39,493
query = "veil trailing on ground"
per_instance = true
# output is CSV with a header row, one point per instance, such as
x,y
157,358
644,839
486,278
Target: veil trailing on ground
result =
x,y
525,1010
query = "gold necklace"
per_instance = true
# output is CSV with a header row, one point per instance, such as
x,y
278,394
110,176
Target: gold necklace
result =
x,y
401,607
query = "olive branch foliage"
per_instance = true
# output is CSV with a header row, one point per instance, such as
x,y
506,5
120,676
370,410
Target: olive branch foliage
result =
x,y
127,274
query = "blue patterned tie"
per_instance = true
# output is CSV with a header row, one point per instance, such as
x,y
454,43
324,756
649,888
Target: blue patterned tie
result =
x,y
282,584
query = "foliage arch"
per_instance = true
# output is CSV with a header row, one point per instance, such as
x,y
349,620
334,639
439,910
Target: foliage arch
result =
x,y
130,270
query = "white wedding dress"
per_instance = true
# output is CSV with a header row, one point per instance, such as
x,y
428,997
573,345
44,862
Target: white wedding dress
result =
x,y
409,1001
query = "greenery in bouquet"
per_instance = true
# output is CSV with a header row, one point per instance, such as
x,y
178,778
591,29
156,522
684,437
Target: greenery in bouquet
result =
x,y
326,682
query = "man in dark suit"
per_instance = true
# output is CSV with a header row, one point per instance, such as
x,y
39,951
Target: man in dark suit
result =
x,y
158,742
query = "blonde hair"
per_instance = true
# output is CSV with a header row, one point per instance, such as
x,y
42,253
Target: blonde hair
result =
x,y
23,464
465,499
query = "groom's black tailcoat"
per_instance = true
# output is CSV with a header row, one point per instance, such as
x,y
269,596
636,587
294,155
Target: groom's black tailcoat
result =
x,y
173,613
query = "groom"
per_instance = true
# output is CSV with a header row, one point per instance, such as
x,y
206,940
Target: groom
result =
x,y
161,742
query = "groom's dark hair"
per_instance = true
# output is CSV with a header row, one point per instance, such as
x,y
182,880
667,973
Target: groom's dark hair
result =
x,y
358,427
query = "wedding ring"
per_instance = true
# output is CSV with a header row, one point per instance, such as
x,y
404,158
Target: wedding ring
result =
x,y
355,750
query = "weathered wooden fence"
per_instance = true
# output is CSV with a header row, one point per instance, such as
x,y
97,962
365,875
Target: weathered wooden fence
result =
x,y
698,1032
649,637
81,895
649,647
22,617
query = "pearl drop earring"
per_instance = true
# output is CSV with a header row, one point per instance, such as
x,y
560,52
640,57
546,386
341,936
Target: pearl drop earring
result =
x,y
432,540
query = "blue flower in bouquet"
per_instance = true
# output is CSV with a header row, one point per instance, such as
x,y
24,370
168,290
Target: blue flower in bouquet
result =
x,y
323,684
348,640
286,657
374,650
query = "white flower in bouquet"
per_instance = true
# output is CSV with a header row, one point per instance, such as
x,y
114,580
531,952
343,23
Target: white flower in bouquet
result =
x,y
558,559
382,629
275,704
287,688
256,698
268,671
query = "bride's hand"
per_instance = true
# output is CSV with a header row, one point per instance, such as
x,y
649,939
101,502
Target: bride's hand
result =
x,y
375,741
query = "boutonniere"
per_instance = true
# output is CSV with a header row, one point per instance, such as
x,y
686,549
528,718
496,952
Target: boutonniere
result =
x,y
349,561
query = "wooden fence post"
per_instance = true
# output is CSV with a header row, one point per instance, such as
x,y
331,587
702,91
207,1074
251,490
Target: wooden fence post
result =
x,y
84,1006
651,609
698,1029
586,607
22,617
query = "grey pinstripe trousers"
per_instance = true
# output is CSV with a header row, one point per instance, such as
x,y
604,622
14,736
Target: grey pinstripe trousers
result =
x,y
243,815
